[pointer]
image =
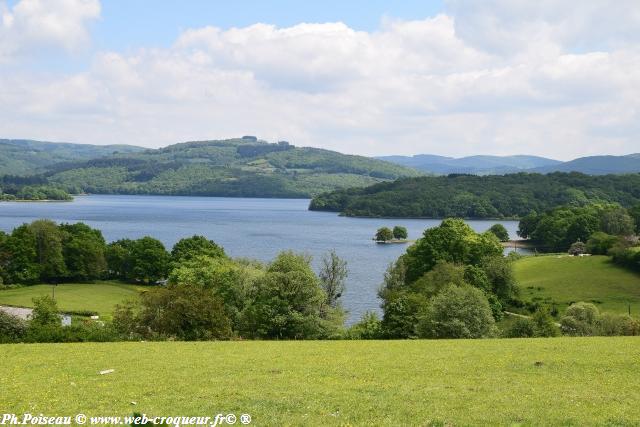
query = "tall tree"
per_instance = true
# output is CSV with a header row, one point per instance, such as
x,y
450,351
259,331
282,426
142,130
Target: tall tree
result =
x,y
48,239
150,260
333,273
452,241
286,302
191,247
84,251
617,221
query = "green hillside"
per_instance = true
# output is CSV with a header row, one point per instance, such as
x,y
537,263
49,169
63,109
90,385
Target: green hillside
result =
x,y
27,157
100,297
471,196
562,280
563,381
242,167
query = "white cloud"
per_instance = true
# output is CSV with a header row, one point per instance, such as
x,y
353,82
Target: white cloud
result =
x,y
34,24
501,77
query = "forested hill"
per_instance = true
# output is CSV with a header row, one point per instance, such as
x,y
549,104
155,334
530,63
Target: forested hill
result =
x,y
27,157
242,167
471,196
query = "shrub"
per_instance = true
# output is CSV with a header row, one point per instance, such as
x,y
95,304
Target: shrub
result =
x,y
402,311
577,248
600,243
580,319
12,328
45,312
457,312
181,312
82,332
368,328
544,325
610,324
521,328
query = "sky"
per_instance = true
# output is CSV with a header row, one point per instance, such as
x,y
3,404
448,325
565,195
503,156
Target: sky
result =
x,y
454,77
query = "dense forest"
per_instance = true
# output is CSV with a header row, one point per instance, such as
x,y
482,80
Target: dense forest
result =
x,y
30,188
470,196
243,167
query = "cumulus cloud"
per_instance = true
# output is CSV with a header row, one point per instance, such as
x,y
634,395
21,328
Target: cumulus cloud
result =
x,y
501,77
33,24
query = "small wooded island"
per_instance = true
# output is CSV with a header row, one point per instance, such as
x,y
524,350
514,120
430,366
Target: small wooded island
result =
x,y
386,235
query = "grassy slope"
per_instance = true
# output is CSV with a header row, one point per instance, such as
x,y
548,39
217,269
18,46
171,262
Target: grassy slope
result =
x,y
100,297
579,381
566,279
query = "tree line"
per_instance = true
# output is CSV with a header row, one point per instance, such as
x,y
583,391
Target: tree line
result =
x,y
599,229
451,283
471,196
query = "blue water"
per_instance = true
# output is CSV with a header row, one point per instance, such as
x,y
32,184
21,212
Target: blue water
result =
x,y
254,228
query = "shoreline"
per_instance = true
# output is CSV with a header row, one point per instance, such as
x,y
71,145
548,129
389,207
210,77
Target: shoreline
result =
x,y
36,201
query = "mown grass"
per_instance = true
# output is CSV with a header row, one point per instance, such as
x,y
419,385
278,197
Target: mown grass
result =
x,y
564,279
100,297
561,381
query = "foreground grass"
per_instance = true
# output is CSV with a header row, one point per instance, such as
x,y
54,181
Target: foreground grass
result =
x,y
100,297
562,381
564,280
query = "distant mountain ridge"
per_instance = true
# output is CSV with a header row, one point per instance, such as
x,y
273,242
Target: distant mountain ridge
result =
x,y
500,165
597,165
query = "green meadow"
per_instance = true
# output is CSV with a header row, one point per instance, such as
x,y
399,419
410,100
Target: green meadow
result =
x,y
563,279
561,381
100,297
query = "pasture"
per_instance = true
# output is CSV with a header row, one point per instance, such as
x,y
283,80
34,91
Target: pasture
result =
x,y
100,297
554,381
565,279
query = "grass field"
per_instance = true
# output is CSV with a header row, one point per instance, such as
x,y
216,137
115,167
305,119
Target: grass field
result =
x,y
100,297
556,381
565,279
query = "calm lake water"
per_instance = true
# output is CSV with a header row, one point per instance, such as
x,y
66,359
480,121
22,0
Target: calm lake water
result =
x,y
254,228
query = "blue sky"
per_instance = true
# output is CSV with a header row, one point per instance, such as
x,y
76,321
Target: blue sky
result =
x,y
133,23
451,77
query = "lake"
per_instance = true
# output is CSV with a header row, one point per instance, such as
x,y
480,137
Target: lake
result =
x,y
254,228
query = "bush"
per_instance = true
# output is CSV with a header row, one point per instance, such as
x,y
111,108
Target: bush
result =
x,y
457,312
45,312
182,312
402,311
577,248
368,328
12,328
610,324
88,331
521,328
544,325
580,319
600,243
